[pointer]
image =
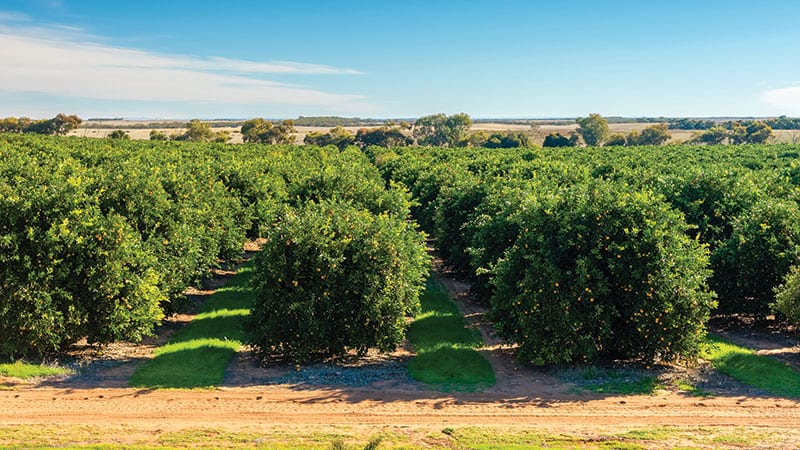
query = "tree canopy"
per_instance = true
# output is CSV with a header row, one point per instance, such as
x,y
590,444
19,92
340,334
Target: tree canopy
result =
x,y
266,132
440,130
559,140
59,125
386,136
337,136
652,135
593,129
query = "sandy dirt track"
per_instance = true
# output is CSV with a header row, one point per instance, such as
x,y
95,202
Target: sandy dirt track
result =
x,y
239,408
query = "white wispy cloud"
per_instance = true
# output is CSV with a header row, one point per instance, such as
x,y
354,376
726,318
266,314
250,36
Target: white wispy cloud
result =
x,y
65,61
787,99
13,16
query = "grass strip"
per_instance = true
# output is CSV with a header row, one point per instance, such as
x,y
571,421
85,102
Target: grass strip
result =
x,y
393,436
23,370
198,354
446,355
612,381
745,365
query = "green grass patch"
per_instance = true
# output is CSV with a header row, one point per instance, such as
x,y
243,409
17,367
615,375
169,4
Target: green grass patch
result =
x,y
198,355
745,365
391,437
612,381
687,387
20,369
446,355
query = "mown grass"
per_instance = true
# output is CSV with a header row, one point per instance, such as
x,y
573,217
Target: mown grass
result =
x,y
198,355
446,355
613,381
745,365
24,370
391,437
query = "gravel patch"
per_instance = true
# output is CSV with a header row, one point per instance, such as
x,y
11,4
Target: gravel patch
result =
x,y
344,376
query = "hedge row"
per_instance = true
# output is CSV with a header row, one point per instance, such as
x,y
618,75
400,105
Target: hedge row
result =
x,y
100,238
332,278
585,254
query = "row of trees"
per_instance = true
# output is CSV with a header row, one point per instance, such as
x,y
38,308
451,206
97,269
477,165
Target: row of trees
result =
x,y
738,133
594,132
433,130
437,130
776,123
196,131
100,239
612,252
59,125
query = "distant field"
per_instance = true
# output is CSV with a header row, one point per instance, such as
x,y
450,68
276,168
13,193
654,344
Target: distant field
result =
x,y
538,132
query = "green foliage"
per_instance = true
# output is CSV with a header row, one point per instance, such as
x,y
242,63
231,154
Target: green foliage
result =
x,y
185,217
738,201
350,177
156,135
754,132
222,136
197,132
602,273
559,140
713,136
338,137
763,246
68,270
710,200
758,133
442,130
787,296
59,125
652,135
382,137
616,140
507,140
119,134
593,129
265,132
454,208
332,278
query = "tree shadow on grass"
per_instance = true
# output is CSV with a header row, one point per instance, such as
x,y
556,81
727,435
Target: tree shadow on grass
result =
x,y
196,356
194,364
452,369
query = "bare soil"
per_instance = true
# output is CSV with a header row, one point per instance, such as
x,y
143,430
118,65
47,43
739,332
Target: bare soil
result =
x,y
251,399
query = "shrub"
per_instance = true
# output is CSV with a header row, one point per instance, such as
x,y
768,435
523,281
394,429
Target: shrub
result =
x,y
763,246
787,296
602,272
710,200
186,218
349,176
333,278
67,270
455,207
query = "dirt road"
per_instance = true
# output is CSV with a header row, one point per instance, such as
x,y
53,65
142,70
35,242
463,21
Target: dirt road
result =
x,y
238,408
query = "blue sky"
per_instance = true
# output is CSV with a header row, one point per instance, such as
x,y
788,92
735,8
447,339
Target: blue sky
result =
x,y
384,59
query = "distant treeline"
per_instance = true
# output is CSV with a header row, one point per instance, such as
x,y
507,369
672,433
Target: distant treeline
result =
x,y
113,124
675,123
776,123
59,125
335,121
